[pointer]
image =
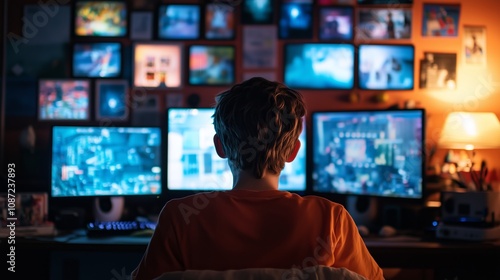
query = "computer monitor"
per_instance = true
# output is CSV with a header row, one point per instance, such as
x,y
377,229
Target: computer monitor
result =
x,y
96,161
386,67
319,66
193,164
371,153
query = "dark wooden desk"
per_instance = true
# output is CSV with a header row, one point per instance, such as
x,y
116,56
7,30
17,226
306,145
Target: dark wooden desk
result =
x,y
78,257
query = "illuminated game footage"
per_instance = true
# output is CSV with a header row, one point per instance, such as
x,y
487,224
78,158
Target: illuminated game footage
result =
x,y
211,65
179,22
105,161
336,23
101,18
193,163
295,20
319,66
386,67
219,21
97,60
157,65
257,12
63,99
111,101
371,153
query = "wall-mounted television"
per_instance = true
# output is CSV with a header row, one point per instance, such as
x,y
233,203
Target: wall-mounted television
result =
x,y
219,21
179,21
97,60
319,66
111,100
386,67
105,161
373,153
63,99
336,23
193,164
296,20
158,65
100,18
384,23
211,65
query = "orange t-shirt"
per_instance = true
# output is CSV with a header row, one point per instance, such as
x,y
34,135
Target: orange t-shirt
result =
x,y
240,229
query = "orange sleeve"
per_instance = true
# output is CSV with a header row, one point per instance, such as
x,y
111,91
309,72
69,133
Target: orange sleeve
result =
x,y
350,250
163,253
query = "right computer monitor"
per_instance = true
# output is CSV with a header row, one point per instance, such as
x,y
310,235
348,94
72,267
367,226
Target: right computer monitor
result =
x,y
193,164
386,67
373,153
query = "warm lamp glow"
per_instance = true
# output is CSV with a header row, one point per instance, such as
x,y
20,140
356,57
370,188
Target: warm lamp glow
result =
x,y
469,131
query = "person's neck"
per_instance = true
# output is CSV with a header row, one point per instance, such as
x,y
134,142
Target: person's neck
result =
x,y
244,180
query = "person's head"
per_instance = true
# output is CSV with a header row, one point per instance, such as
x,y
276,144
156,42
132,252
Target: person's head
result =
x,y
257,125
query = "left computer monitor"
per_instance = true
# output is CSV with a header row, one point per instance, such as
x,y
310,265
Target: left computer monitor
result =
x,y
105,161
193,164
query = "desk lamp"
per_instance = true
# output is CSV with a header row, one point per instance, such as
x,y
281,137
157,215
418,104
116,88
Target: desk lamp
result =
x,y
470,131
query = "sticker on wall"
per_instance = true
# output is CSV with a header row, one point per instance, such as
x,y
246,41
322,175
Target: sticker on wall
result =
x,y
438,71
440,20
474,45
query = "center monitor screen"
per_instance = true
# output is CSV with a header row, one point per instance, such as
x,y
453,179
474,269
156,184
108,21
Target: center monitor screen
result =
x,y
378,153
319,66
193,163
105,161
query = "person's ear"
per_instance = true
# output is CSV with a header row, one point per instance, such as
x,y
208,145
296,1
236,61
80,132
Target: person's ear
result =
x,y
295,151
218,147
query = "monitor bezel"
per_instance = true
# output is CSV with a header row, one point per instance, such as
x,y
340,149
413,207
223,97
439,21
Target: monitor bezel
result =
x,y
182,63
74,12
358,61
354,67
188,65
121,56
162,192
166,5
64,121
333,195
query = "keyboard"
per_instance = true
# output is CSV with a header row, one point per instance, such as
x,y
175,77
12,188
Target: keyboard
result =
x,y
118,228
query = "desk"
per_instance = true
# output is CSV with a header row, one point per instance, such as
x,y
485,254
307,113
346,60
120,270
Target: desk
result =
x,y
78,257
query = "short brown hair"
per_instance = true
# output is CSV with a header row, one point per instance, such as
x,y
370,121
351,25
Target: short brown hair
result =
x,y
258,123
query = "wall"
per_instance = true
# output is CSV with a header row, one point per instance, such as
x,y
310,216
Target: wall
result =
x,y
478,89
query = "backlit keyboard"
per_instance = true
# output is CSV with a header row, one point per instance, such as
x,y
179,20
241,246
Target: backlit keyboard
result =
x,y
102,229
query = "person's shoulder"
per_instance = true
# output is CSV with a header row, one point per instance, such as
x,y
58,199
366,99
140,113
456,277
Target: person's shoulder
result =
x,y
193,199
324,202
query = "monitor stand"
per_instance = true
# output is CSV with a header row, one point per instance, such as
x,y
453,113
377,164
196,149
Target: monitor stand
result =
x,y
108,209
363,209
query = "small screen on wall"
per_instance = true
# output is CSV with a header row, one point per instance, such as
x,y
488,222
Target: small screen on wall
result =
x,y
101,18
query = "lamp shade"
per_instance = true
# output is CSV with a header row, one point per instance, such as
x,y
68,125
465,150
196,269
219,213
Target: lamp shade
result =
x,y
470,130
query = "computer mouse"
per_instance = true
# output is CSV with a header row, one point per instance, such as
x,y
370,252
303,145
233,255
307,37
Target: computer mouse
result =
x,y
363,230
387,231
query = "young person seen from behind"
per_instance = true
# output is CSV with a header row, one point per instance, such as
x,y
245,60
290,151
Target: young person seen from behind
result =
x,y
255,225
